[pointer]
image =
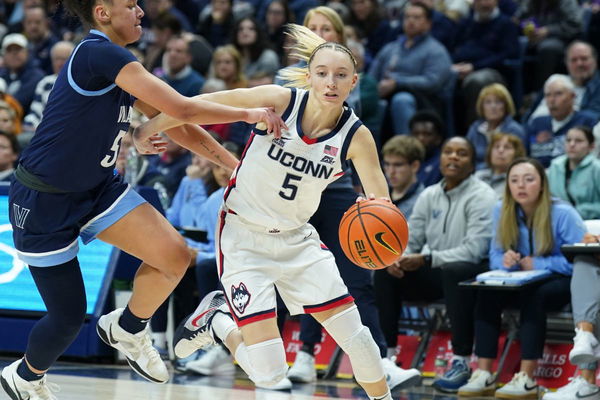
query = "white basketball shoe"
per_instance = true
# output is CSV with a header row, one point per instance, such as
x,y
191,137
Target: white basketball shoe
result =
x,y
137,348
18,388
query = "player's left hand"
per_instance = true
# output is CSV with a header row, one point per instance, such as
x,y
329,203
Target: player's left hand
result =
x,y
153,145
267,116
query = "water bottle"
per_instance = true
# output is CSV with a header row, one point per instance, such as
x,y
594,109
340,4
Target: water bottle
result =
x,y
441,364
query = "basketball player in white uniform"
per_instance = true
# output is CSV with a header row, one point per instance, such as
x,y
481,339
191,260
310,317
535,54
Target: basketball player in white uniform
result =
x,y
265,240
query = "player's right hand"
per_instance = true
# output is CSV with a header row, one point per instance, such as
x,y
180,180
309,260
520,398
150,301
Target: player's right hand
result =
x,y
267,115
153,145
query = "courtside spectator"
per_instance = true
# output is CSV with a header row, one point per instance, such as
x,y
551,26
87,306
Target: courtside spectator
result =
x,y
402,158
153,8
172,164
250,40
484,40
503,149
164,27
496,110
59,54
178,72
8,118
412,70
581,60
19,72
9,152
216,26
278,14
574,177
448,243
36,29
13,103
227,66
527,232
372,23
549,26
428,128
546,135
442,27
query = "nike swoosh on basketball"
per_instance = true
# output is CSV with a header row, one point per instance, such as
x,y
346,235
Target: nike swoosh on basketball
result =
x,y
379,239
195,320
111,338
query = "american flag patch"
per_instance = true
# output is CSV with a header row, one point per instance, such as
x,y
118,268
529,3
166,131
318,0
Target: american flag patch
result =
x,y
332,151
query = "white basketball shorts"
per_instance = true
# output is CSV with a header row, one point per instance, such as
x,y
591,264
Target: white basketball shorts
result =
x,y
252,262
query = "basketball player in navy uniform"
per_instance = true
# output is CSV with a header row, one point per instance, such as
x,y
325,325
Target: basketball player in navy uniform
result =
x,y
65,187
265,240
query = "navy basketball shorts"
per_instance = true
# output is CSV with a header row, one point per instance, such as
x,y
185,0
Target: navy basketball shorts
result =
x,y
46,225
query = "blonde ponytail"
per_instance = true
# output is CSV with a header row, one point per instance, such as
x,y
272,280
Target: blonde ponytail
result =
x,y
306,44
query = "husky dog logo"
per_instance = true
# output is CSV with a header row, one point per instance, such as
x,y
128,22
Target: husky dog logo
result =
x,y
240,297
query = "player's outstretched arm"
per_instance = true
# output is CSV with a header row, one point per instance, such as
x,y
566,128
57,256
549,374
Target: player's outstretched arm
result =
x,y
134,79
271,97
193,138
199,141
363,153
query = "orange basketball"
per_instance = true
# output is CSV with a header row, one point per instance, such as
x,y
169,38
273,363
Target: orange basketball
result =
x,y
373,234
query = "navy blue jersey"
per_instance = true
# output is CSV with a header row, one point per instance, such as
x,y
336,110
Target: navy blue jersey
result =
x,y
76,144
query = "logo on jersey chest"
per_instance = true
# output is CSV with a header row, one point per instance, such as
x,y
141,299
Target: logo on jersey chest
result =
x,y
280,141
299,164
328,160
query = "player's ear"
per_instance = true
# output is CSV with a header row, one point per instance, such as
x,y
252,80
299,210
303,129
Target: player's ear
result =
x,y
354,80
101,12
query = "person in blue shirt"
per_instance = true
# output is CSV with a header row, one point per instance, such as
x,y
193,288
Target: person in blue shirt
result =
x,y
529,226
496,109
65,187
412,70
546,134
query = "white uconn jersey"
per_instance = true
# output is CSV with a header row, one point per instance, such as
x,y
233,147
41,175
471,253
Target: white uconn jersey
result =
x,y
278,182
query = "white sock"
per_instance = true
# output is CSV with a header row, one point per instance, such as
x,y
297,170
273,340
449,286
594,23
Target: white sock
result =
x,y
159,339
223,325
391,352
387,396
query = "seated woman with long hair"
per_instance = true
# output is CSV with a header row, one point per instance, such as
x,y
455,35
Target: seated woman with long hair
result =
x,y
528,229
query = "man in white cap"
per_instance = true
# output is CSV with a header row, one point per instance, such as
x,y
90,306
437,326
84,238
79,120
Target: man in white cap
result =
x,y
20,74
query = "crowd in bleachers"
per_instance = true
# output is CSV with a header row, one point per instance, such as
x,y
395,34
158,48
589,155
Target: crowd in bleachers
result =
x,y
457,93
